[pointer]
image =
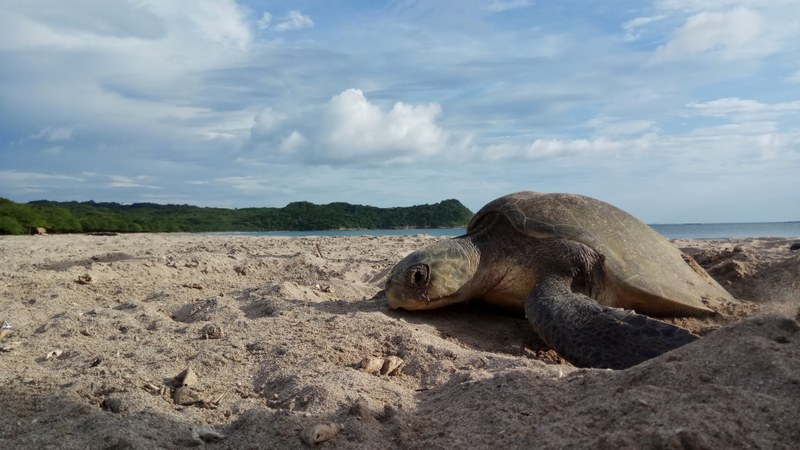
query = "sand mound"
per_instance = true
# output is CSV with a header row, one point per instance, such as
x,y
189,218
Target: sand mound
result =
x,y
282,334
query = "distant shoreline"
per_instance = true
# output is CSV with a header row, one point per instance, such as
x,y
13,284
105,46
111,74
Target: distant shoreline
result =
x,y
700,231
670,231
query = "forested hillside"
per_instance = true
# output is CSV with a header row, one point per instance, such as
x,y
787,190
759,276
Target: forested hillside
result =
x,y
77,217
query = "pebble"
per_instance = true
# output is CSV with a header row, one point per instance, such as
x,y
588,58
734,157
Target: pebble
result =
x,y
371,364
186,396
321,432
392,365
389,365
187,378
211,331
115,404
205,433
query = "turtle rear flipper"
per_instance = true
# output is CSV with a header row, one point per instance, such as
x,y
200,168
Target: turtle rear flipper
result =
x,y
589,334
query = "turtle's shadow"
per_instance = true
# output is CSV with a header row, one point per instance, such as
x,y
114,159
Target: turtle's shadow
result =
x,y
480,327
471,325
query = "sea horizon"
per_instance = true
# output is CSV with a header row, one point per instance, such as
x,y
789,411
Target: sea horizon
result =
x,y
735,230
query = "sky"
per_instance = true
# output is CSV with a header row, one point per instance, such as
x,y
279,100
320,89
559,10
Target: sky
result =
x,y
675,110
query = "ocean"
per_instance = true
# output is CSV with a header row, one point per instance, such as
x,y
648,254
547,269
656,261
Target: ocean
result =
x,y
671,231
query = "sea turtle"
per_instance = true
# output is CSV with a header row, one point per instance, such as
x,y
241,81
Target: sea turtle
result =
x,y
570,263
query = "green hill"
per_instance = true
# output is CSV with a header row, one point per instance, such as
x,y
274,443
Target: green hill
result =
x,y
77,217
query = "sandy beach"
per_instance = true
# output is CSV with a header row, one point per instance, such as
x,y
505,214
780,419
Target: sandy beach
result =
x,y
171,341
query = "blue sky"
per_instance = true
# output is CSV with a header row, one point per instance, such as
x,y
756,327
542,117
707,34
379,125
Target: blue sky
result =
x,y
675,110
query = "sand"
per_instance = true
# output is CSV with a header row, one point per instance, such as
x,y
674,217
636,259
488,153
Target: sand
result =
x,y
289,340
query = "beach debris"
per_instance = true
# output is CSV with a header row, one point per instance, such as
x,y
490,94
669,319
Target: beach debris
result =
x,y
211,403
197,286
84,279
321,432
323,288
186,396
319,251
187,378
211,331
54,354
154,390
371,364
199,311
187,393
9,346
5,329
392,365
205,433
389,365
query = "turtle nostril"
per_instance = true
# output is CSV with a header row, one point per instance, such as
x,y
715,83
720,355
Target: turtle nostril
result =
x,y
419,275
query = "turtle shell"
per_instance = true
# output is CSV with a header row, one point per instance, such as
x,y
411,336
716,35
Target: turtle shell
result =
x,y
647,272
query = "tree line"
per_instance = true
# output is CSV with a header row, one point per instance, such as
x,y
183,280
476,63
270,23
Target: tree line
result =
x,y
84,217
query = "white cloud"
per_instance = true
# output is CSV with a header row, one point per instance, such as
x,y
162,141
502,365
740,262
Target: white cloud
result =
x,y
268,121
220,21
734,107
295,20
739,33
265,21
254,184
293,143
610,126
54,150
548,148
632,27
129,182
13,179
54,134
349,129
355,127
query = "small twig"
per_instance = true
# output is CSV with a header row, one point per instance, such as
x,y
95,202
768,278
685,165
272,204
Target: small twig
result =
x,y
319,252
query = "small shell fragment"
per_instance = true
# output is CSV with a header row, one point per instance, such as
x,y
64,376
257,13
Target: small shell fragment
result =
x,y
371,364
153,389
53,354
391,365
321,432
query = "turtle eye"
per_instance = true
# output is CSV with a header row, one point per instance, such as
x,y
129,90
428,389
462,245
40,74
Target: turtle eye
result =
x,y
419,275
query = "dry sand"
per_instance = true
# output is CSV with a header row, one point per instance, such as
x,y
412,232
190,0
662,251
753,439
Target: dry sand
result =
x,y
282,334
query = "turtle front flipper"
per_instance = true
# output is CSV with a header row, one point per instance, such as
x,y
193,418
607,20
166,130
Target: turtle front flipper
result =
x,y
589,334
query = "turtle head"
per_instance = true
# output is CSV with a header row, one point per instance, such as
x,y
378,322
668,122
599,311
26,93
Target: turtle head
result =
x,y
432,277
